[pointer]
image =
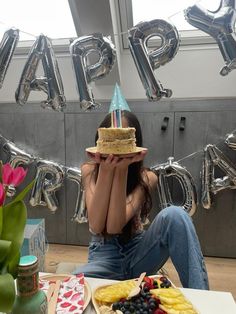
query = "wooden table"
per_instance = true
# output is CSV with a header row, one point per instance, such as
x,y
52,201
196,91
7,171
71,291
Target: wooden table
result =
x,y
206,302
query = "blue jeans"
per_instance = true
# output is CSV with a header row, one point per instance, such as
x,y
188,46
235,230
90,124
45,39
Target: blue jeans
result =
x,y
171,234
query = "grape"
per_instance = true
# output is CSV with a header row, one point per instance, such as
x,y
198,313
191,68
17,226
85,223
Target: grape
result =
x,y
144,302
152,305
115,306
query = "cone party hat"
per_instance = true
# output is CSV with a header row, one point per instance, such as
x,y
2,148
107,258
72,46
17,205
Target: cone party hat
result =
x,y
118,101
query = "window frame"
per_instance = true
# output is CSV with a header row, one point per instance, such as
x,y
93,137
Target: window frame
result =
x,y
187,37
60,45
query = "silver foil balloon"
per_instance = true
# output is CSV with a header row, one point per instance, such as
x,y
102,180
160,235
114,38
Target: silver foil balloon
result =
x,y
29,70
16,157
51,84
210,185
147,61
7,47
80,214
219,25
231,140
184,178
56,99
49,178
85,73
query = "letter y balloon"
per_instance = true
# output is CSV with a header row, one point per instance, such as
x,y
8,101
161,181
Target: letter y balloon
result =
x,y
220,25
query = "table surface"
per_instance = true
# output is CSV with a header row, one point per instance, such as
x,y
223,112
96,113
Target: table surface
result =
x,y
206,302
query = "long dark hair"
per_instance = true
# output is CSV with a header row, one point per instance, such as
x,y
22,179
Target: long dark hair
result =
x,y
135,171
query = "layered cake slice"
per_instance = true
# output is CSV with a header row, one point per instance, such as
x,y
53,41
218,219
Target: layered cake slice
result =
x,y
116,140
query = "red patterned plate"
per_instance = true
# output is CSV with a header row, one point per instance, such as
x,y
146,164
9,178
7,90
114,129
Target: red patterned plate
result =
x,y
63,277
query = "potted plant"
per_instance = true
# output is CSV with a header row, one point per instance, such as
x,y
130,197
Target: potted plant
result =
x,y
13,217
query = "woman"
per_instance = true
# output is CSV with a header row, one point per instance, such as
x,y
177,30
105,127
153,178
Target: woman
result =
x,y
118,200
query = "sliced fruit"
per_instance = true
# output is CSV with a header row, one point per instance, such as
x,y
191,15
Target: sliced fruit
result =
x,y
115,292
173,301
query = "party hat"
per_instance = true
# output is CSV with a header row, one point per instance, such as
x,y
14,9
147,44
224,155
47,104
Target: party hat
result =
x,y
118,100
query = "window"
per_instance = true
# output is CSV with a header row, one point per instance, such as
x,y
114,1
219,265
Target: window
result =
x,y
134,11
49,17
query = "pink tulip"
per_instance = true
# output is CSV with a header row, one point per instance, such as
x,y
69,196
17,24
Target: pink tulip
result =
x,y
2,194
13,176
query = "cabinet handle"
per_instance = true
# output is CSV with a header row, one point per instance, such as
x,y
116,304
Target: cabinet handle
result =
x,y
182,123
165,122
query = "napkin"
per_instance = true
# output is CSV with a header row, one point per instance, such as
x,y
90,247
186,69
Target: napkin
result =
x,y
71,294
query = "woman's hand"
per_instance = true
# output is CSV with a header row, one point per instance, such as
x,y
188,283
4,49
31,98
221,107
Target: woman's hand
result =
x,y
108,162
124,162
111,161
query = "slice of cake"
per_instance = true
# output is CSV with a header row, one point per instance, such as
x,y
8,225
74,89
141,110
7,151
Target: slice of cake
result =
x,y
116,140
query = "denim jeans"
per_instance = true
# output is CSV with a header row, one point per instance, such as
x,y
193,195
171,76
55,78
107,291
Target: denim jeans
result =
x,y
171,234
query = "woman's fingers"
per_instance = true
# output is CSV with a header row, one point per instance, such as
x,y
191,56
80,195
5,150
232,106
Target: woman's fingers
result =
x,y
113,161
91,156
126,161
109,158
140,156
95,157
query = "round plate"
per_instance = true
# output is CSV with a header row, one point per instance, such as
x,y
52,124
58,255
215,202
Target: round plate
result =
x,y
93,150
87,290
96,303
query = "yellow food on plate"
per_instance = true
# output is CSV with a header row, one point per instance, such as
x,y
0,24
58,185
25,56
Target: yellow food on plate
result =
x,y
170,292
115,292
173,311
173,301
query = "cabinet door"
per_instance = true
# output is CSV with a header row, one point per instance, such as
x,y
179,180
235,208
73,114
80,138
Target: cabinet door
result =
x,y
157,129
158,138
42,135
216,226
80,134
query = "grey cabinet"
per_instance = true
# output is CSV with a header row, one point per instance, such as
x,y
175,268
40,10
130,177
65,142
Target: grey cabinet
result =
x,y
216,226
63,137
42,135
80,134
157,129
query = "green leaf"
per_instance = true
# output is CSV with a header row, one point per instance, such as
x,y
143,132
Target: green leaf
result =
x,y
7,293
22,194
14,217
13,265
4,249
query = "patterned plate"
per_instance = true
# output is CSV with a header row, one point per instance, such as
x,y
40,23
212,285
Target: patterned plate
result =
x,y
87,289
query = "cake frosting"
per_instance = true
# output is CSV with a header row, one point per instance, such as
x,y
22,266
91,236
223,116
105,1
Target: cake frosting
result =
x,y
116,140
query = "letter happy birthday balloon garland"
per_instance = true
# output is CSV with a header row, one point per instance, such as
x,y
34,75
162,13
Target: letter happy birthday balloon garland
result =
x,y
50,175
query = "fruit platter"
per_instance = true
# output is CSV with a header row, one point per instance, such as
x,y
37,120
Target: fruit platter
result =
x,y
155,295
